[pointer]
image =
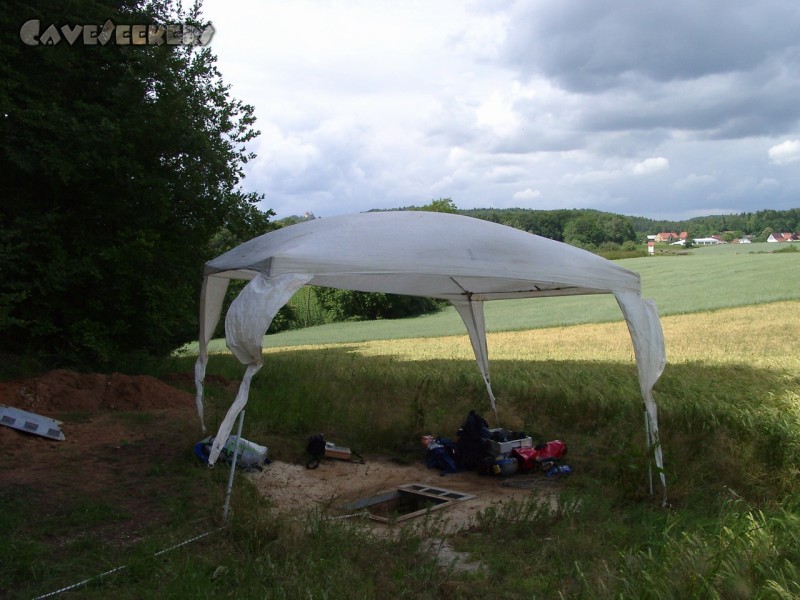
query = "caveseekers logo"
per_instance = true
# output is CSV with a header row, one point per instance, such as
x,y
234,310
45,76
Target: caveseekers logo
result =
x,y
122,35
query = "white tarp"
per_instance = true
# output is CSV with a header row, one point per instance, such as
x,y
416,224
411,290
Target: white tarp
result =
x,y
464,260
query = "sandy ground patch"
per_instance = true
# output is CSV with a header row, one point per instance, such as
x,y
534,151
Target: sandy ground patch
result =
x,y
296,490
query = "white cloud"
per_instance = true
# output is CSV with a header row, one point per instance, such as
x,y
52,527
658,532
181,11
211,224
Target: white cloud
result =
x,y
497,114
615,171
527,195
278,152
785,152
650,166
694,181
593,177
484,37
768,184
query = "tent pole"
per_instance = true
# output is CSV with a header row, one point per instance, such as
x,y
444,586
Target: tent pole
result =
x,y
647,445
233,468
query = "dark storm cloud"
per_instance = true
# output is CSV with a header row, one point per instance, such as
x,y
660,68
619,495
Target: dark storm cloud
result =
x,y
713,70
589,46
722,107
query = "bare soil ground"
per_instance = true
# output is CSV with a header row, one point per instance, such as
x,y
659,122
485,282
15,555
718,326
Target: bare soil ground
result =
x,y
119,430
119,427
89,406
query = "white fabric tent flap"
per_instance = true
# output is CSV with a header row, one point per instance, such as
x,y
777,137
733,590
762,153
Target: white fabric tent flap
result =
x,y
651,359
464,260
248,319
472,314
211,297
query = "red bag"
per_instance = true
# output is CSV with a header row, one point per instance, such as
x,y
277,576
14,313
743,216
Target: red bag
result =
x,y
551,450
541,456
526,459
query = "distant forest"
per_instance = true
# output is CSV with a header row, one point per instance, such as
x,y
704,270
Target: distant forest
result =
x,y
605,232
593,229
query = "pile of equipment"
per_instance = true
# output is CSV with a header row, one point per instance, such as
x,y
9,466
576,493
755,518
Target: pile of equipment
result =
x,y
497,451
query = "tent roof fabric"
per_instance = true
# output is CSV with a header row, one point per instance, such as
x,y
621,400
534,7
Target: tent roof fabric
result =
x,y
461,259
426,254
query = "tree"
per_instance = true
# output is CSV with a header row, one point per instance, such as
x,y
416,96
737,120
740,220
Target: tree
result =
x,y
348,305
617,229
584,231
444,205
729,236
119,164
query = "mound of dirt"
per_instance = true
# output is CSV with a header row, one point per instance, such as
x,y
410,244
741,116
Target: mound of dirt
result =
x,y
109,451
67,391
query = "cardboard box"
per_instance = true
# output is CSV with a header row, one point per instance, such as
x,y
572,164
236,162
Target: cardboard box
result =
x,y
334,451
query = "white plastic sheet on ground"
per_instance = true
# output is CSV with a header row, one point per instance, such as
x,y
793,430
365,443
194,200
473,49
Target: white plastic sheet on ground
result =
x,y
464,260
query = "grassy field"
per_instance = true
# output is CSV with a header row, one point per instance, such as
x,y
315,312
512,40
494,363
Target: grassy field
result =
x,y
729,407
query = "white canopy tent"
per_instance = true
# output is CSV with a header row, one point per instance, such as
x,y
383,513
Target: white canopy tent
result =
x,y
464,260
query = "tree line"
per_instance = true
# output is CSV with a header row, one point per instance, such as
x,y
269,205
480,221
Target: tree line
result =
x,y
585,228
759,225
596,230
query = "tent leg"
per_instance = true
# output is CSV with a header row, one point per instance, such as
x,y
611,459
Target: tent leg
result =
x,y
647,445
233,468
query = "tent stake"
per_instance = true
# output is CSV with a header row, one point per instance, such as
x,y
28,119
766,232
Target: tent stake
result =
x,y
233,468
648,446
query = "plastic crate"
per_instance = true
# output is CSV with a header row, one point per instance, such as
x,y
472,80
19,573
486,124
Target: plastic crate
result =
x,y
503,448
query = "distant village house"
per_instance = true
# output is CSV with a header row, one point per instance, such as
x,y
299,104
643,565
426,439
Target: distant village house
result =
x,y
675,239
784,237
668,237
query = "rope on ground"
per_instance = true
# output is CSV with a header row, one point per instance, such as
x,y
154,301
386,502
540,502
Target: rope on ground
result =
x,y
123,567
529,482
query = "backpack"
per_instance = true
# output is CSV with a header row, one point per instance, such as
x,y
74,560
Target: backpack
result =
x,y
316,448
441,454
472,441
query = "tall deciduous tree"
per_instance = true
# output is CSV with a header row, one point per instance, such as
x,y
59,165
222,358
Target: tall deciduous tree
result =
x,y
443,205
118,164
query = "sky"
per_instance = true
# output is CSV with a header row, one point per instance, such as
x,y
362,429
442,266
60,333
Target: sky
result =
x,y
667,110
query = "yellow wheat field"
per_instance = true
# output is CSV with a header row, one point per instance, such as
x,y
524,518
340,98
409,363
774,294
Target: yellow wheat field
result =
x,y
764,335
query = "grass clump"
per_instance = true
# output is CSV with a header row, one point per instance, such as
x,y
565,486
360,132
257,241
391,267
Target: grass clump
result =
x,y
571,550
